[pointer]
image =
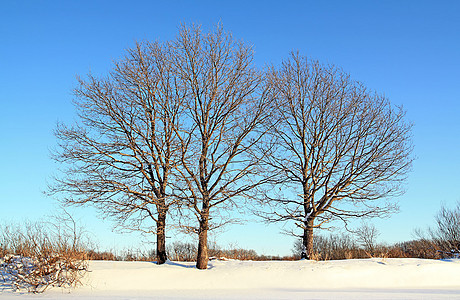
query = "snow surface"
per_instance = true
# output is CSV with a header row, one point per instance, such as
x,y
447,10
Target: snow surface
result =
x,y
231,279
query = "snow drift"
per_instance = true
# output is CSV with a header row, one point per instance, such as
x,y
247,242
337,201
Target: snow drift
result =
x,y
406,278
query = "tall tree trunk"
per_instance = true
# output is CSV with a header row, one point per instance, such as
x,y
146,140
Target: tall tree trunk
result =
x,y
161,238
308,239
202,257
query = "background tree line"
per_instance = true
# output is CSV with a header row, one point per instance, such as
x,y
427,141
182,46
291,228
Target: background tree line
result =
x,y
187,130
35,256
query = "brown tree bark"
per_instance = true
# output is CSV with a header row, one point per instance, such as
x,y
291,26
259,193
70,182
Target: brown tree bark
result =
x,y
161,239
308,239
202,256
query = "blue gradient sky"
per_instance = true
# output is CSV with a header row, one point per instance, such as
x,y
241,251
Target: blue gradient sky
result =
x,y
409,50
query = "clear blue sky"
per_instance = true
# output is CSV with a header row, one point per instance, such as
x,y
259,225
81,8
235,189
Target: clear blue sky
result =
x,y
409,50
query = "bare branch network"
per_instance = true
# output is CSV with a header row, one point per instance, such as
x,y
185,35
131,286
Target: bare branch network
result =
x,y
338,148
187,129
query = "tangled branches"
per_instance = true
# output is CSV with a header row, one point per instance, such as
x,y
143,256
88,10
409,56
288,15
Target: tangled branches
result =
x,y
36,256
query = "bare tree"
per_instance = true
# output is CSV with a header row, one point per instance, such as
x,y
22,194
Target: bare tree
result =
x,y
367,236
441,240
121,154
447,230
340,148
444,237
225,109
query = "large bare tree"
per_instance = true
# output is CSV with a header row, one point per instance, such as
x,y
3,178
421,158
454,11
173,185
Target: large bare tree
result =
x,y
340,148
225,109
121,154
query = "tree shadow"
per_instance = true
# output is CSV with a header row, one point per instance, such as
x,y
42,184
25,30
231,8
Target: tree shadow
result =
x,y
184,265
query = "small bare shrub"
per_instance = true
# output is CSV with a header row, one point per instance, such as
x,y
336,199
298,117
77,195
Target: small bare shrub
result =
x,y
420,248
36,256
366,236
440,241
180,251
446,233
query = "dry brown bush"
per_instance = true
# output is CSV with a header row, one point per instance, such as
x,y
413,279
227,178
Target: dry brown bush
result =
x,y
36,256
343,246
101,255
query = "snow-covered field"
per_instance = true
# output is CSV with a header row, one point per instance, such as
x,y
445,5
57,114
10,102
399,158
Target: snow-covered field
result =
x,y
345,279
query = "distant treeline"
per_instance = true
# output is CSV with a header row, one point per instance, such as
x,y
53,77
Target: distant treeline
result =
x,y
331,247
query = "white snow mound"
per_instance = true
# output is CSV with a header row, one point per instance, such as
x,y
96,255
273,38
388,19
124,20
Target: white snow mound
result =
x,y
232,279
